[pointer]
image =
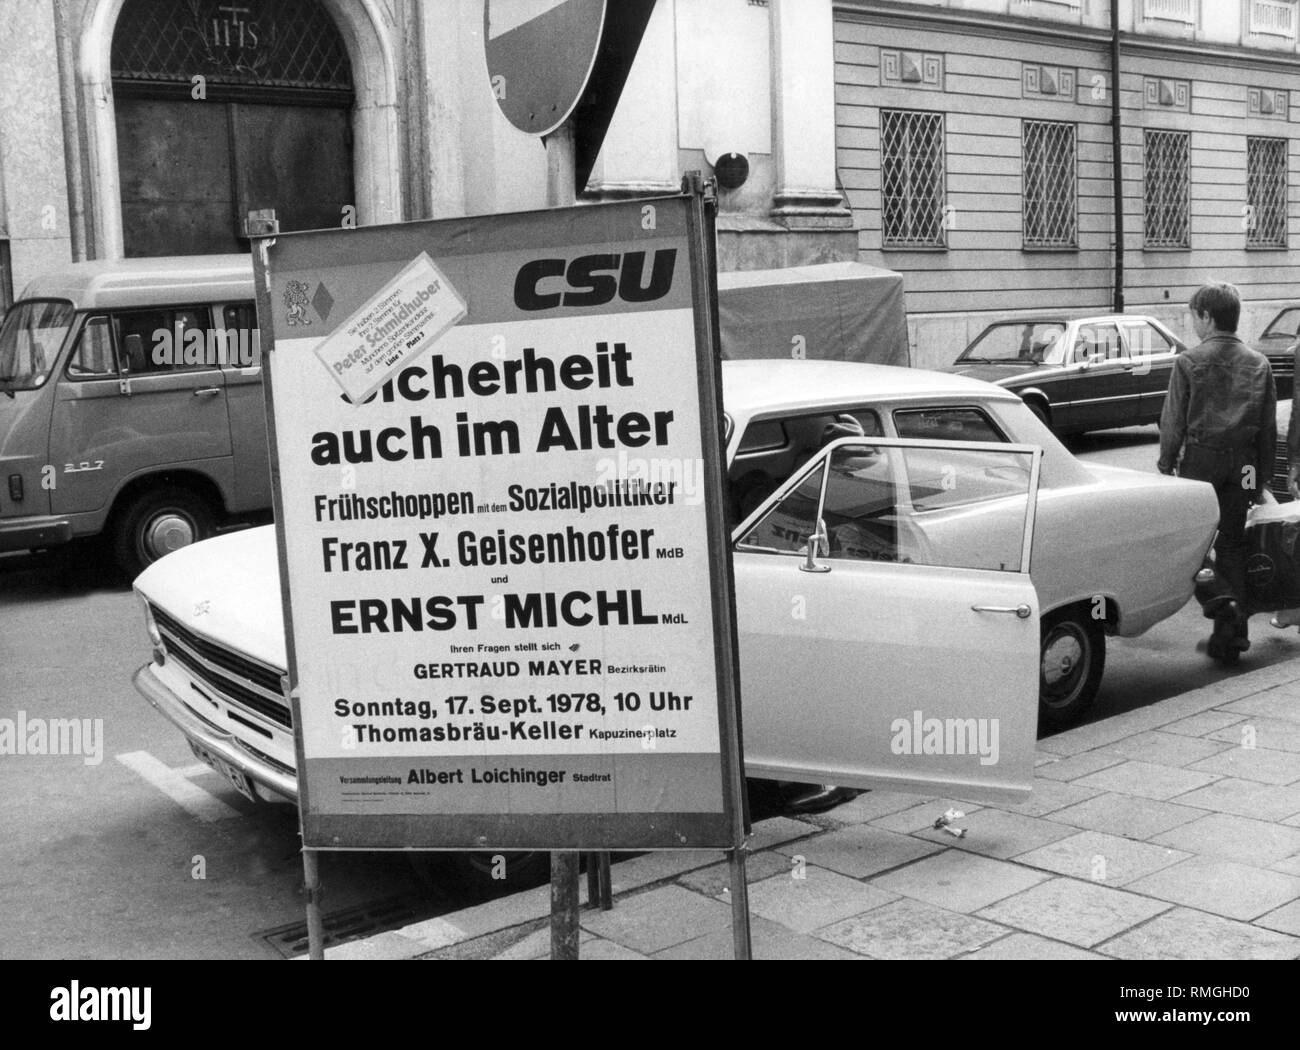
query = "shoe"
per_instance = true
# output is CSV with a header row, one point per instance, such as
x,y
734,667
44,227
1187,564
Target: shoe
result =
x,y
1285,618
1229,638
820,799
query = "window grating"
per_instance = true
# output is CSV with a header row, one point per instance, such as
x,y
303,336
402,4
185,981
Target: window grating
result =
x,y
289,43
1167,198
912,179
1050,197
1266,175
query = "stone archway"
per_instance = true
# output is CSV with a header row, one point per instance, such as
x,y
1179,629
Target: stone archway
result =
x,y
367,34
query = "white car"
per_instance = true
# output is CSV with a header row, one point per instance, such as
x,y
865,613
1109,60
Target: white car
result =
x,y
916,585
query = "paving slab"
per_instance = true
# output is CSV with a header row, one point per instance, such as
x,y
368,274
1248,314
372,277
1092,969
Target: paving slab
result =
x,y
818,899
657,919
958,880
1076,766
1246,798
910,929
1169,749
1285,919
1281,702
775,830
1254,763
715,880
1109,860
656,867
872,804
1031,946
1222,887
768,940
1231,837
1050,795
1277,734
923,816
600,950
859,850
1124,815
1076,912
1289,866
1184,933
1146,780
1206,723
996,833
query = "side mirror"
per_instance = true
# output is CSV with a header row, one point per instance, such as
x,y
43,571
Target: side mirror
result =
x,y
818,544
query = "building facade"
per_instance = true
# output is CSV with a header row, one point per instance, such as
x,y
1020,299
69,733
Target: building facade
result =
x,y
966,144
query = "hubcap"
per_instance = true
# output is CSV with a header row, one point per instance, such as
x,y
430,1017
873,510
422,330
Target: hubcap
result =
x,y
1063,663
166,533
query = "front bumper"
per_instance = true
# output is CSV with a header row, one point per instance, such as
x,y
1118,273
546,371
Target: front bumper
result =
x,y
282,786
24,534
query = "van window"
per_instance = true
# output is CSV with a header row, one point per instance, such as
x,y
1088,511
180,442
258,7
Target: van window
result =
x,y
243,338
94,355
162,342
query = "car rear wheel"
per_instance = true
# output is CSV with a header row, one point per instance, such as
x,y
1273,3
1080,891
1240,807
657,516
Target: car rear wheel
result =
x,y
1037,408
1072,657
156,523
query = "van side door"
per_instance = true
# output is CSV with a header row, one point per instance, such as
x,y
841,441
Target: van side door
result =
x,y
161,405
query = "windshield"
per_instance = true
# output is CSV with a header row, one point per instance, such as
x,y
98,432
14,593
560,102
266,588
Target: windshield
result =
x,y
1021,341
1286,323
30,340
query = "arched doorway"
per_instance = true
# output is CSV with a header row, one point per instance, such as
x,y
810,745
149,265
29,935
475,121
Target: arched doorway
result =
x,y
221,108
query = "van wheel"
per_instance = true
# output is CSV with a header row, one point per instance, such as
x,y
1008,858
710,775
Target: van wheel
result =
x,y
521,869
1072,657
156,523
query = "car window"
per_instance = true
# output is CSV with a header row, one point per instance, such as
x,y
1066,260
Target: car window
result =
x,y
886,504
772,449
785,528
1286,323
94,355
1096,343
167,340
946,424
241,335
1015,341
1145,339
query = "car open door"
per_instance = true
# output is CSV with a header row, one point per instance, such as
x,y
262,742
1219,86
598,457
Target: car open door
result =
x,y
889,631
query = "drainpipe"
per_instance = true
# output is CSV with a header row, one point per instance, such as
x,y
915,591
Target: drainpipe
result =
x,y
1116,155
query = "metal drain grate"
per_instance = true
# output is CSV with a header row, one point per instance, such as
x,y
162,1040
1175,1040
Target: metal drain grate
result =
x,y
350,924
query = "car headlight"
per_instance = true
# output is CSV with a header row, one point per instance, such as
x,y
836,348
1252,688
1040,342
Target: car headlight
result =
x,y
155,636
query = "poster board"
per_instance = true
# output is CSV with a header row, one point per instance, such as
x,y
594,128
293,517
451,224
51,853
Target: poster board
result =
x,y
506,581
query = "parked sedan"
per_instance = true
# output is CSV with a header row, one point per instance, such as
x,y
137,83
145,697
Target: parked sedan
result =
x,y
1090,373
1277,343
910,548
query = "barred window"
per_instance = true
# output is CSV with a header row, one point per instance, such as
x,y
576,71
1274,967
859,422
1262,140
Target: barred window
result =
x,y
912,179
1167,207
1266,174
1050,193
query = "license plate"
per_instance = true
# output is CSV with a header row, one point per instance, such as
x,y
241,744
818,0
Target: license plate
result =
x,y
237,778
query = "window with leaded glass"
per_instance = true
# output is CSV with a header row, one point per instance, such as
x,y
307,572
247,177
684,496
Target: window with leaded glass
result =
x,y
1166,189
1050,186
912,179
1266,174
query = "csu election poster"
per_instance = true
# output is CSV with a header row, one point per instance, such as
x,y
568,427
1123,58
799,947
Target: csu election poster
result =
x,y
490,452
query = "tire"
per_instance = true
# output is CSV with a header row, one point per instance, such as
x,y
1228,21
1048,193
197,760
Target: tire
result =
x,y
1072,657
156,523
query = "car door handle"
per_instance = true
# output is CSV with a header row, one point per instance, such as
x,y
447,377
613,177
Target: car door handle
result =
x,y
1023,611
207,391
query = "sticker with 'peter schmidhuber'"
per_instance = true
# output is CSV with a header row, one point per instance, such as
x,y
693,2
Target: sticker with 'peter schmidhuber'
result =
x,y
396,324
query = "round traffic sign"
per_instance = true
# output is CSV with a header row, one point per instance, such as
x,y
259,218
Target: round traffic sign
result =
x,y
539,56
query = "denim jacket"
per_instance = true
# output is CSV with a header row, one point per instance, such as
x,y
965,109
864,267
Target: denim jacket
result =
x,y
1221,396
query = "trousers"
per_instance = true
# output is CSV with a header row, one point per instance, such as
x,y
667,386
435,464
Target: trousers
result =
x,y
1234,485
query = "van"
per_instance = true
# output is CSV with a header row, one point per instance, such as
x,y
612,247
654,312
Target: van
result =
x,y
131,406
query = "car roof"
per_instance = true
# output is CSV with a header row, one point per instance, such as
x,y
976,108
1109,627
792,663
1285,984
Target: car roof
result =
x,y
1070,319
110,283
753,387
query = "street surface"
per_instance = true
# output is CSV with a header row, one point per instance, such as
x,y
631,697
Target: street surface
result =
x,y
102,859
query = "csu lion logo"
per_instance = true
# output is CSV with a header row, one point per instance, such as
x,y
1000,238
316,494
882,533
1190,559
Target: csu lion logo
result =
x,y
295,298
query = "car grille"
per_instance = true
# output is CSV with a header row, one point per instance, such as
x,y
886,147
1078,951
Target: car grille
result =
x,y
237,679
1277,485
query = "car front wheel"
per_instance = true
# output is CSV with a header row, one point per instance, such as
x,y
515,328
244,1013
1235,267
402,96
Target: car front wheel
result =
x,y
1072,656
